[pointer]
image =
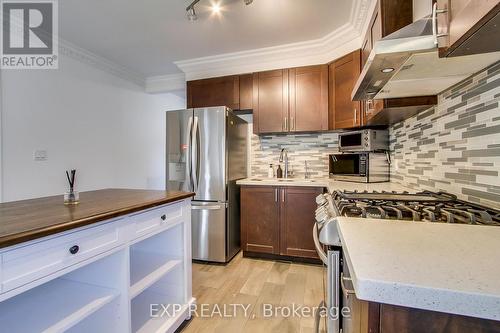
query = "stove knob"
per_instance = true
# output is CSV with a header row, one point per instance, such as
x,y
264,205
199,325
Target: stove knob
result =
x,y
321,216
320,199
366,144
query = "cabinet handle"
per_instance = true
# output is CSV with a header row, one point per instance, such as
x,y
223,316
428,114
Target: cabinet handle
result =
x,y
436,11
355,116
369,105
286,123
292,123
163,217
275,195
283,195
74,249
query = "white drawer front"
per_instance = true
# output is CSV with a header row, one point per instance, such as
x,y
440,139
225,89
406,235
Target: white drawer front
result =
x,y
25,264
155,220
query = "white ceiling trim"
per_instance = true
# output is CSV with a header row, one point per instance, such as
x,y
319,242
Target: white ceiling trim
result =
x,y
159,84
71,50
344,39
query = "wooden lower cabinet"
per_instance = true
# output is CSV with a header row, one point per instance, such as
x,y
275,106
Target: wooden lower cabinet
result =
x,y
260,219
278,220
370,317
298,205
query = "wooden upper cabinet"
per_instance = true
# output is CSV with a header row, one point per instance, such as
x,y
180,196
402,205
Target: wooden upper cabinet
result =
x,y
344,72
388,17
260,219
219,91
246,92
270,101
298,205
308,90
459,23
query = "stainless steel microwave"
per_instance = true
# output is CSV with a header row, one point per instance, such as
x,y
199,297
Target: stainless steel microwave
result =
x,y
364,167
364,140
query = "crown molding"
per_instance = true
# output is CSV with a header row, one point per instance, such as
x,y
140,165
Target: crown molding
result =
x,y
165,83
94,60
342,40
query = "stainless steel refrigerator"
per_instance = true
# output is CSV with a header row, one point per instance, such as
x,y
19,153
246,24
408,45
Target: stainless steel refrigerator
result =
x,y
206,154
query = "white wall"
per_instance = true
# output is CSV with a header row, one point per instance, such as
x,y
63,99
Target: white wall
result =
x,y
107,128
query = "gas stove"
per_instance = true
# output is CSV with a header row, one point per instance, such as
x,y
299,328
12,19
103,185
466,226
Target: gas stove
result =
x,y
423,206
413,207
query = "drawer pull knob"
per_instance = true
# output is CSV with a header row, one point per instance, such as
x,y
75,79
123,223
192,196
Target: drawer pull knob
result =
x,y
74,249
164,217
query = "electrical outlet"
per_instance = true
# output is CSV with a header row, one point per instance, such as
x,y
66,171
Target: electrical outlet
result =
x,y
40,155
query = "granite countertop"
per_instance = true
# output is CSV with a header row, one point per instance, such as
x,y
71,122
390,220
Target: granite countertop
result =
x,y
451,268
328,183
25,220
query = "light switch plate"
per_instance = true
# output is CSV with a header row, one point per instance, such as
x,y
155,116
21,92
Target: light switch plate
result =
x,y
40,155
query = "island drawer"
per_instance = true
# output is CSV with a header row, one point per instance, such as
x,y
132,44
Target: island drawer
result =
x,y
25,264
157,219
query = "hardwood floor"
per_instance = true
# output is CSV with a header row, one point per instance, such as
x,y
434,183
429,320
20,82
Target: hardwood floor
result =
x,y
254,284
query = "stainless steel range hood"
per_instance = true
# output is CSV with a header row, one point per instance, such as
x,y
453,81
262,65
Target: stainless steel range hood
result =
x,y
406,64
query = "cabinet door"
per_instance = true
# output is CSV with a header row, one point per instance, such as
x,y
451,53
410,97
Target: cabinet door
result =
x,y
298,206
460,20
260,219
344,113
270,106
308,98
219,91
246,92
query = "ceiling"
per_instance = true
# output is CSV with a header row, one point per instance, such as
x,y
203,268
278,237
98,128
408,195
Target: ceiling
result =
x,y
148,36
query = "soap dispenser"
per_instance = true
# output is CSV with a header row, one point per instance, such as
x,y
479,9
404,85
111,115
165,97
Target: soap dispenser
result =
x,y
270,172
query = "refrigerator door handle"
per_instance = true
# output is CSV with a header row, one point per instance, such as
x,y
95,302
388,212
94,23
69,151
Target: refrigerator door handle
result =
x,y
189,162
196,154
211,207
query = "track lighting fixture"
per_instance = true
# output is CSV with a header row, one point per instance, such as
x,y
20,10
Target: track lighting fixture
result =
x,y
191,14
216,8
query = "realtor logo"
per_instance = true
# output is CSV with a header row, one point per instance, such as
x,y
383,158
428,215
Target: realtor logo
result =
x,y
29,31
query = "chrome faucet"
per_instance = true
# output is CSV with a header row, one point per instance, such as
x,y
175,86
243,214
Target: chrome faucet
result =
x,y
284,158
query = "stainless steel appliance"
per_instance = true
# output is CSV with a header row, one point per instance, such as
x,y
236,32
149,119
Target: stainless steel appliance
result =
x,y
206,153
364,140
406,63
424,206
360,167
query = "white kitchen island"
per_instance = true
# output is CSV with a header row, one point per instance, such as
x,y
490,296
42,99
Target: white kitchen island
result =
x,y
117,266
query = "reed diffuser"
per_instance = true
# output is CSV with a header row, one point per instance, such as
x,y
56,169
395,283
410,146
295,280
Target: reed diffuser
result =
x,y
71,197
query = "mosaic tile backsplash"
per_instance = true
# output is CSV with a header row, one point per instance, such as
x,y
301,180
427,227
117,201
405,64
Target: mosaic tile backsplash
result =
x,y
454,146
313,148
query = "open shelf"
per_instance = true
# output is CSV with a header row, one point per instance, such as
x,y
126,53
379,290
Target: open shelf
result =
x,y
147,268
143,322
55,306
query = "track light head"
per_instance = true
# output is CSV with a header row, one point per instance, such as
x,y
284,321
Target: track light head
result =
x,y
191,14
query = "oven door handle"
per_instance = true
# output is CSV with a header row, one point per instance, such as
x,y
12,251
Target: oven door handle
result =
x,y
317,245
345,291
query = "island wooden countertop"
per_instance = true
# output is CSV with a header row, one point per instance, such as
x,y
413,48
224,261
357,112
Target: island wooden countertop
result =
x,y
25,220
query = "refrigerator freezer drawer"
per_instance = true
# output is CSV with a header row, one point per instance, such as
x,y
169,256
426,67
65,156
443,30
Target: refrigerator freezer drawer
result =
x,y
208,230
